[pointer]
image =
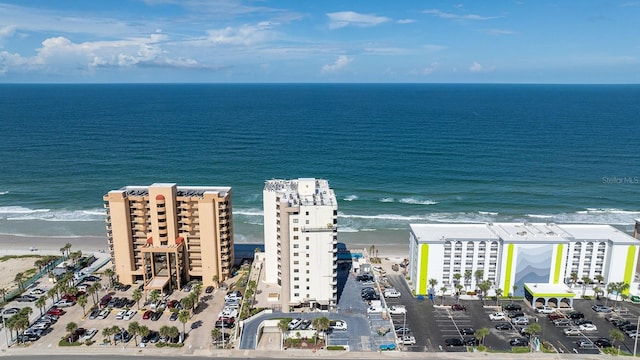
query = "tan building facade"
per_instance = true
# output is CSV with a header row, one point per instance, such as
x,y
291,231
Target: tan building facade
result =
x,y
166,235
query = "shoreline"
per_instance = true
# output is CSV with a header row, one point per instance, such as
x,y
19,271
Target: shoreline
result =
x,y
22,244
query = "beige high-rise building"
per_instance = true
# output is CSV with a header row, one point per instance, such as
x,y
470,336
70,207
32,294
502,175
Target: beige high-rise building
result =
x,y
167,235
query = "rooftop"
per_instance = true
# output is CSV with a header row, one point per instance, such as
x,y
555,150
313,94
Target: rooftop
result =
x,y
521,232
188,191
303,191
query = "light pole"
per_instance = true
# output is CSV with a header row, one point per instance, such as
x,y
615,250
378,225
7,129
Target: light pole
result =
x,y
4,325
635,338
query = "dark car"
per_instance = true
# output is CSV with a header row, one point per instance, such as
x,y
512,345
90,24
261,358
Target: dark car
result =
x,y
147,314
225,323
453,342
511,307
73,337
91,278
366,290
22,338
174,316
471,341
156,316
94,314
467,331
503,326
172,304
519,342
304,325
576,315
371,296
603,342
209,290
458,307
583,321
152,337
555,316
122,336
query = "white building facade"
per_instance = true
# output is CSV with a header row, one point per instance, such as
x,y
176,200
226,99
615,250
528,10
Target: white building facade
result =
x,y
300,232
509,254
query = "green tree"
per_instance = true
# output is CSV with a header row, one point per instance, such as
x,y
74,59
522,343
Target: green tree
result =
x,y
216,280
3,292
433,283
197,291
40,303
94,290
114,330
183,317
498,292
458,289
574,277
322,325
443,291
106,332
174,332
585,281
71,327
164,331
109,273
215,334
19,280
82,301
484,288
599,278
154,296
67,248
144,330
283,326
467,278
134,328
615,335
187,303
482,333
137,296
533,329
479,275
456,278
515,288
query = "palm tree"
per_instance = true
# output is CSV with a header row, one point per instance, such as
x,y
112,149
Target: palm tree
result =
x,y
53,293
164,331
174,332
443,290
433,283
498,292
598,291
283,326
40,303
574,277
621,289
19,279
482,333
106,332
533,329
321,324
154,296
479,275
585,280
187,303
82,301
144,330
67,248
216,280
467,278
3,292
197,291
109,273
134,328
599,278
457,277
215,334
71,327
136,296
115,329
95,289
183,317
484,288
514,287
615,335
458,288
39,263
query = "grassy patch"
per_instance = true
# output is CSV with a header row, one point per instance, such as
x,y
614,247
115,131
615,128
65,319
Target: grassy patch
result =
x,y
520,349
335,347
64,342
9,257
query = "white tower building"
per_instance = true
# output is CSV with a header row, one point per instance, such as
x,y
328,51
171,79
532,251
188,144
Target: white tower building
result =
x,y
300,233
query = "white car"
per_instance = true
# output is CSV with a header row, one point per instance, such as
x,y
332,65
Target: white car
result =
x,y
520,321
588,327
374,309
392,293
572,331
120,314
129,314
64,303
89,334
294,324
338,325
228,313
545,310
499,316
103,313
397,310
408,340
37,292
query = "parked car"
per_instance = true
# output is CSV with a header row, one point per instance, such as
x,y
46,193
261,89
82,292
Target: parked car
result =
x,y
225,323
293,324
582,321
304,325
209,289
511,307
499,316
467,331
233,295
471,341
408,340
602,308
37,292
458,307
174,316
519,342
555,316
520,321
156,316
94,313
26,298
370,296
338,325
603,342
562,322
545,310
453,342
55,311
397,310
503,326
147,314
588,327
392,293
572,331
89,334
27,338
129,314
585,343
120,314
104,313
374,309
402,330
575,315
11,311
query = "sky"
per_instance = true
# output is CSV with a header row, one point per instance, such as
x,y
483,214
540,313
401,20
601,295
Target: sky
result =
x,y
319,41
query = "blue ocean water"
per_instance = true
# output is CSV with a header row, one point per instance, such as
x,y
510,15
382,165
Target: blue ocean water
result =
x,y
395,154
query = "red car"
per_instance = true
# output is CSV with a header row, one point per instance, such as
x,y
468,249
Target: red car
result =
x,y
147,314
458,307
55,311
172,304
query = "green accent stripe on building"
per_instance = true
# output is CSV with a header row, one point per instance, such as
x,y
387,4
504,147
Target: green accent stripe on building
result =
x,y
424,266
507,275
628,270
556,274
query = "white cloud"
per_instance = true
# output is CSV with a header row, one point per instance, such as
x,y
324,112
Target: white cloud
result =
x,y
405,21
433,48
339,64
242,35
7,31
431,68
501,32
475,67
349,18
445,15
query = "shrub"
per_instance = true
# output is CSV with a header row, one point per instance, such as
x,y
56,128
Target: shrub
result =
x,y
471,293
335,347
64,342
520,349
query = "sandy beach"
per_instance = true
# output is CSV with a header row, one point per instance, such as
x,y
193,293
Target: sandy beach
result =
x,y
40,245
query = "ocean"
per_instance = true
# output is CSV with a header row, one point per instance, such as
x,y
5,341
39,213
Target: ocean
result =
x,y
395,154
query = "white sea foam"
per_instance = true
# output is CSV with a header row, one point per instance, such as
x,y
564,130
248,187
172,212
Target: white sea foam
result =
x,y
413,201
248,212
19,213
487,213
538,216
351,198
387,200
3,192
347,230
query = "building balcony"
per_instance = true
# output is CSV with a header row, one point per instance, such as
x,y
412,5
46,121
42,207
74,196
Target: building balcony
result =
x,y
328,228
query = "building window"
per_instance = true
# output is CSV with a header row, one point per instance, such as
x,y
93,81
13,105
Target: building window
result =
x,y
296,254
295,221
306,222
306,213
307,247
296,229
295,246
296,270
296,262
296,279
296,287
296,294
307,255
295,237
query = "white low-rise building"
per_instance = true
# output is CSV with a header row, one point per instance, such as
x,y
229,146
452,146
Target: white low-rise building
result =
x,y
512,254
